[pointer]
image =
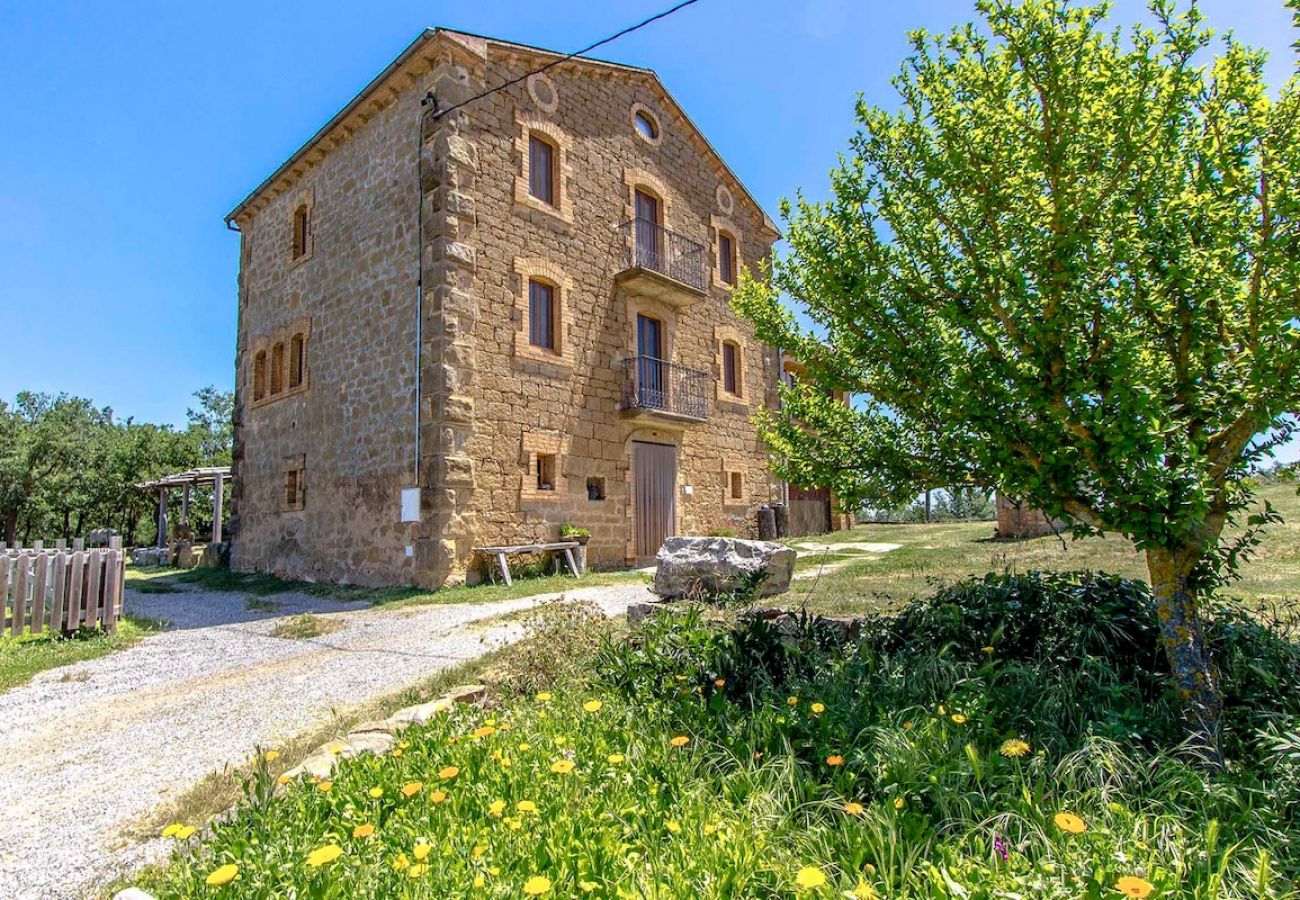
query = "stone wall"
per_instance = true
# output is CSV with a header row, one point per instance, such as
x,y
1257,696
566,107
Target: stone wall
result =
x,y
1019,520
487,403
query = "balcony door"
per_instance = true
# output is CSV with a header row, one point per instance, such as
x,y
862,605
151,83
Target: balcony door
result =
x,y
654,475
647,231
651,379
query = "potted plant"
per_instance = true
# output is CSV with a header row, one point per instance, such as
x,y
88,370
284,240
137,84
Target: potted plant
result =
x,y
571,532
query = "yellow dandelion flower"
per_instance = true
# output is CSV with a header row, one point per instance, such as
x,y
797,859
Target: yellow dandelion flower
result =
x,y
792,701
403,745
587,886
171,829
324,786
323,856
524,748
958,718
478,851
541,714
854,808
810,877
862,891
222,875
438,796
818,708
421,851
401,862
1013,748
411,788
271,755
908,726
710,829
719,682
562,766
479,881
615,759
496,807
680,741
1132,886
673,827
417,870
363,831
537,885
545,697
592,705
398,752
988,650
449,772
942,711
486,731
526,806
834,760
1069,822
559,741
283,779
900,802
376,792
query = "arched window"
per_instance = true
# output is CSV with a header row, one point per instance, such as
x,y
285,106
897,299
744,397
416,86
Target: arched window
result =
x,y
297,348
541,168
259,375
301,231
277,369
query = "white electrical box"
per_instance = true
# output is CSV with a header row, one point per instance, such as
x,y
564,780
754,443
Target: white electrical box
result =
x,y
410,505
688,489
410,551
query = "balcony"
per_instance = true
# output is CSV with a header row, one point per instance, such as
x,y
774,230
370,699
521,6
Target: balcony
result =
x,y
662,264
656,387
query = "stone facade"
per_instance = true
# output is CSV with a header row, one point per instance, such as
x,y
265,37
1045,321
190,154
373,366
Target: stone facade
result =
x,y
320,469
1020,520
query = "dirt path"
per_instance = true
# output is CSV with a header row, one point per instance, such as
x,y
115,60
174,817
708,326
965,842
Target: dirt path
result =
x,y
88,749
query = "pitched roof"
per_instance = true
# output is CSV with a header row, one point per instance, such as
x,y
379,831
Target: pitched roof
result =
x,y
373,95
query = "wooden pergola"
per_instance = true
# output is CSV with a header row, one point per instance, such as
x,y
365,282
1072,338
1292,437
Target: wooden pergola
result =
x,y
213,475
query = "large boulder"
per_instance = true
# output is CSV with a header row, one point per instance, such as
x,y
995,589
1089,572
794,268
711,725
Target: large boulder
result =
x,y
688,566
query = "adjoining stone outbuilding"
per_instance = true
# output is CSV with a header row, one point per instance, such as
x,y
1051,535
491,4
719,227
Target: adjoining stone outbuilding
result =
x,y
463,325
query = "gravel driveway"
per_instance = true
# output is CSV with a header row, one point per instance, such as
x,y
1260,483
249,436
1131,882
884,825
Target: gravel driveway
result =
x,y
87,749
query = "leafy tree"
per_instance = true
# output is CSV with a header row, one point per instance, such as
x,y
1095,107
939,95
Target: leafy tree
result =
x,y
212,426
1066,267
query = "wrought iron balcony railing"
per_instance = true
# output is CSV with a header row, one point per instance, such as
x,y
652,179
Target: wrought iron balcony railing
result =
x,y
656,385
652,247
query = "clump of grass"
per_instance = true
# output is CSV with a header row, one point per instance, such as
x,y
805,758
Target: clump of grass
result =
x,y
305,627
155,587
254,603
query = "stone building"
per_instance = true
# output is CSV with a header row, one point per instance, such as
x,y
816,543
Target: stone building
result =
x,y
462,325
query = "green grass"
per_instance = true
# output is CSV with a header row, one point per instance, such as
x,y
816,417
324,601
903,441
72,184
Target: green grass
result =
x,y
24,656
258,585
305,626
686,763
944,553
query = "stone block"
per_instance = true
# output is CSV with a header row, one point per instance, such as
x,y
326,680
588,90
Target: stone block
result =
x,y
687,565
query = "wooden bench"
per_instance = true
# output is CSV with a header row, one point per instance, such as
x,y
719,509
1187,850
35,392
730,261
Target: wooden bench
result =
x,y
502,552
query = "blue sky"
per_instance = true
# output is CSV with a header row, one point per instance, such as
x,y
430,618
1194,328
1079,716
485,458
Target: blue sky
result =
x,y
134,127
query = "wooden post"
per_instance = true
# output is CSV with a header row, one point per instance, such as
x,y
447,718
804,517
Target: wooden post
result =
x,y
162,517
185,507
218,482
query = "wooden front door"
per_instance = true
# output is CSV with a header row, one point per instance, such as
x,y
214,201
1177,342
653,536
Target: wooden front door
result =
x,y
654,479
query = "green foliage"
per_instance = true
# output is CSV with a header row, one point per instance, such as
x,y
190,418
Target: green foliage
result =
x,y
881,766
67,468
569,530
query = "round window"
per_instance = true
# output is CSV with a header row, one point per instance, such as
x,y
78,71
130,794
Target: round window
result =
x,y
646,126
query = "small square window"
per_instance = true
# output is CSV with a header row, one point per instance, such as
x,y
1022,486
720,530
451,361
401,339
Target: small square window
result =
x,y
546,471
595,488
736,486
294,471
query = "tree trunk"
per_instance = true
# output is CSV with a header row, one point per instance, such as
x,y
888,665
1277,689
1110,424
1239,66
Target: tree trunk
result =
x,y
11,526
1182,635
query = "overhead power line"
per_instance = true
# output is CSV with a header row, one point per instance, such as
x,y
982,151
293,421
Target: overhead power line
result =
x,y
613,37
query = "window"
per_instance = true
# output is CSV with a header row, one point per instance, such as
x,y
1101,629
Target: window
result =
x,y
259,375
301,230
726,258
730,367
541,169
541,314
294,471
596,488
277,369
546,471
646,126
736,485
296,350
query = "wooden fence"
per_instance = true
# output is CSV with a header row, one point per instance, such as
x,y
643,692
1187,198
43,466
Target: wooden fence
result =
x,y
60,589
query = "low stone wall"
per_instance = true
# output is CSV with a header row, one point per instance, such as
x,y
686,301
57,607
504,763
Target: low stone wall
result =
x,y
1020,520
